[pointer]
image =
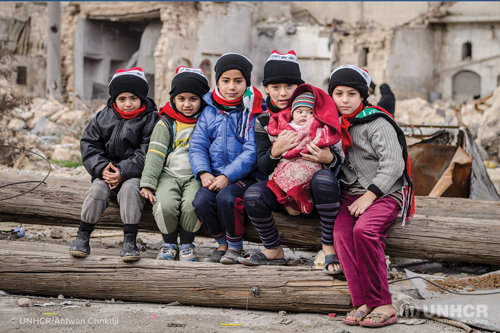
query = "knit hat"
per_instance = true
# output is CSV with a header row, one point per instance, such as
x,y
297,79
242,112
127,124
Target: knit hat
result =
x,y
350,76
305,99
237,61
282,68
132,81
191,80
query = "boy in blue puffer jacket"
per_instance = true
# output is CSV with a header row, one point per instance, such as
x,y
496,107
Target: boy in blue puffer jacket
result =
x,y
223,155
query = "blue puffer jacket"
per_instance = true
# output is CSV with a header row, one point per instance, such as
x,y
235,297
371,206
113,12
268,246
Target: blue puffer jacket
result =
x,y
216,148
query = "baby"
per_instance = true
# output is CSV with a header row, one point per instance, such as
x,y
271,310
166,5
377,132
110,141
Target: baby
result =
x,y
308,116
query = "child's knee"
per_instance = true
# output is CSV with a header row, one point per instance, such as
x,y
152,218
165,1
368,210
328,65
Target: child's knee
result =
x,y
99,190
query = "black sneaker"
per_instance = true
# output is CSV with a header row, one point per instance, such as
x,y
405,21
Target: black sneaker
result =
x,y
215,256
130,251
80,247
230,258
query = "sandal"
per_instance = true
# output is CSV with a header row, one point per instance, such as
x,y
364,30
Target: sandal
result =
x,y
331,259
359,315
259,258
377,317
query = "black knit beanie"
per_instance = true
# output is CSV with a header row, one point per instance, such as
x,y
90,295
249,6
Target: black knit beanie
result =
x,y
350,76
237,61
191,80
131,81
282,68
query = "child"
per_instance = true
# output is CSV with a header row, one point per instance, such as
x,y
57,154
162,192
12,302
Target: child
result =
x,y
293,174
167,171
281,77
113,147
373,176
223,155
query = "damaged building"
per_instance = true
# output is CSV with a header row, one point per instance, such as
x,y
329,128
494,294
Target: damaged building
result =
x,y
448,50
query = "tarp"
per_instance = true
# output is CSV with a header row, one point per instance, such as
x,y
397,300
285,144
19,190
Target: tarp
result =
x,y
482,311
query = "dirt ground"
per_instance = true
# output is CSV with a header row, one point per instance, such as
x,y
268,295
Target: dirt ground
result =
x,y
118,316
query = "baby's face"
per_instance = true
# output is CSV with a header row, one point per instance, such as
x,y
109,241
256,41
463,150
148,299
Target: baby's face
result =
x,y
302,114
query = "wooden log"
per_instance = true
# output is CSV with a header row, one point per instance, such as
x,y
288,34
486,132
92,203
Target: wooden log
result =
x,y
48,270
453,229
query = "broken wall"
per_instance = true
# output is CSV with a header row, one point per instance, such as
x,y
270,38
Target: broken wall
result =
x,y
25,25
382,13
484,62
410,62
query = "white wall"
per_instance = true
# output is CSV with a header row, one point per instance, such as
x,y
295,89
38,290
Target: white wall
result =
x,y
485,55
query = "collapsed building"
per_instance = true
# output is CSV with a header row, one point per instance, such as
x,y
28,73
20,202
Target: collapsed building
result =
x,y
421,49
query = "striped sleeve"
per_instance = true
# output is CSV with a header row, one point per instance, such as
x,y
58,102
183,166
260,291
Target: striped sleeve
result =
x,y
155,158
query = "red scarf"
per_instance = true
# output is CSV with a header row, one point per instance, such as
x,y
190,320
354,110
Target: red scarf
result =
x,y
219,99
130,115
344,127
169,111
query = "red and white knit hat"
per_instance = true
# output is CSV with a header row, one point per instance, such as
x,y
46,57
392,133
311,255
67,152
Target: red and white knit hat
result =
x,y
132,81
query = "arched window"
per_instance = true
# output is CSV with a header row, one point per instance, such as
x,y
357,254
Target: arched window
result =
x,y
466,86
206,67
467,51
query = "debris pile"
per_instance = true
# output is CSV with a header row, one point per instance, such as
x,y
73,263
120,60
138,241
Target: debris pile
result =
x,y
44,126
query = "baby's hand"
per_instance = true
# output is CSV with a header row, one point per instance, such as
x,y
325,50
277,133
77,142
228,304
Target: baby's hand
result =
x,y
359,206
207,179
146,193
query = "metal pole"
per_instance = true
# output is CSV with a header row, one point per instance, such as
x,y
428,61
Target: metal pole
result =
x,y
54,50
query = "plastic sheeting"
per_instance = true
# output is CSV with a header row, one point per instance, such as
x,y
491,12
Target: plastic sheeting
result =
x,y
482,311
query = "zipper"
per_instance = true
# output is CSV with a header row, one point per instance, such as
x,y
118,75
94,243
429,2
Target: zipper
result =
x,y
118,136
224,138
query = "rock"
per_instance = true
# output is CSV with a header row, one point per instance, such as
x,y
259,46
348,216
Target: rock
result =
x,y
67,152
490,123
68,139
43,107
16,124
71,118
24,302
61,296
57,232
282,313
46,127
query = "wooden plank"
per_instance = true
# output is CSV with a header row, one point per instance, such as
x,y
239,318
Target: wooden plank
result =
x,y
48,270
452,229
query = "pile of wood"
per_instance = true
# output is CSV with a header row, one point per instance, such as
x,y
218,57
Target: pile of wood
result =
x,y
451,229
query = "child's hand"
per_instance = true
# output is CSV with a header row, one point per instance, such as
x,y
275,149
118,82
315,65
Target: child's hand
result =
x,y
284,142
146,193
219,183
113,179
359,206
207,179
318,155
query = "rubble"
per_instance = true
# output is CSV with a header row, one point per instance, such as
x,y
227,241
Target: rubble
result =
x,y
489,128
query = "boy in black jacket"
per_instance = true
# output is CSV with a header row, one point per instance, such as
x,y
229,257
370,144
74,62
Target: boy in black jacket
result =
x,y
114,147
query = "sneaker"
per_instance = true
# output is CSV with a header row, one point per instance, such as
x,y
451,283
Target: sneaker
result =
x,y
231,257
167,252
187,253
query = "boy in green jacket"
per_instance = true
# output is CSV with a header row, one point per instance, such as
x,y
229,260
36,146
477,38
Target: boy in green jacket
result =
x,y
167,180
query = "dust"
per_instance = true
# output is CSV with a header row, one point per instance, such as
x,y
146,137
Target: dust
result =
x,y
485,282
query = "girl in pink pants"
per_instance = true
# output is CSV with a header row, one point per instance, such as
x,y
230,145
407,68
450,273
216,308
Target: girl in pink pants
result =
x,y
375,185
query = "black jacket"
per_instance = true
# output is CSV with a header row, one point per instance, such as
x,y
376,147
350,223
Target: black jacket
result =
x,y
123,142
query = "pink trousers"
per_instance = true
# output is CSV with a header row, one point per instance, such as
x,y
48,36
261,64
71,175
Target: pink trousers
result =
x,y
359,244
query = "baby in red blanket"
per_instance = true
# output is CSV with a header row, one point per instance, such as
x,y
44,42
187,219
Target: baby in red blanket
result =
x,y
315,119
